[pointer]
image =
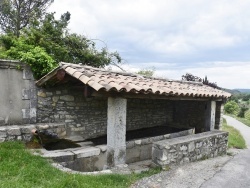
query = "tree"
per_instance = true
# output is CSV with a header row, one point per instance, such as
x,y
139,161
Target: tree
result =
x,y
50,37
205,81
231,107
18,14
190,77
39,60
243,109
147,72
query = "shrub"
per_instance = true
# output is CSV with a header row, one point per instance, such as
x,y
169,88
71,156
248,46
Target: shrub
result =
x,y
242,112
231,107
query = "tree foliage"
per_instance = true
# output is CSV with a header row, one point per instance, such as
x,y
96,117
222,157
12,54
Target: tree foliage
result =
x,y
51,39
147,72
190,77
205,81
242,111
231,107
18,14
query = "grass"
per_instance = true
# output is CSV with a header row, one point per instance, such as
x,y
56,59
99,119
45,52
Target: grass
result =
x,y
235,139
246,121
20,169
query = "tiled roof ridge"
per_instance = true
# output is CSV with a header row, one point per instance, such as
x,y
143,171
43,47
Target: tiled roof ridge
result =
x,y
106,80
128,73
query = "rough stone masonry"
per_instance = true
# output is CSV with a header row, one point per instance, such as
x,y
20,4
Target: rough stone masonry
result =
x,y
190,148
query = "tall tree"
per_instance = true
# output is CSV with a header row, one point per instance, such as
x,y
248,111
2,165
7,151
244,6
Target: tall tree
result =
x,y
48,42
18,14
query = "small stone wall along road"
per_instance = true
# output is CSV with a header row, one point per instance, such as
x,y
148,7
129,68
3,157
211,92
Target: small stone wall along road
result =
x,y
219,172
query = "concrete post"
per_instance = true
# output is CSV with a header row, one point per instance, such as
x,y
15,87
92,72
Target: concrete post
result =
x,y
210,115
116,132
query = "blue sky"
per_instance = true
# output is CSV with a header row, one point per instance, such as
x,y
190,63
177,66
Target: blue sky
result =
x,y
202,37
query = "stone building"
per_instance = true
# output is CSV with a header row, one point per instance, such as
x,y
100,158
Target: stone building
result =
x,y
93,102
82,103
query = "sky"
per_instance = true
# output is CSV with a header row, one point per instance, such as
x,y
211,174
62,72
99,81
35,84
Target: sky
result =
x,y
202,37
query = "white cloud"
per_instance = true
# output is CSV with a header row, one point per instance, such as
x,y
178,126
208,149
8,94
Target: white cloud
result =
x,y
183,33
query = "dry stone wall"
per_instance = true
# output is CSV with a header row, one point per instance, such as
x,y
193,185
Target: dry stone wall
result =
x,y
190,148
88,116
82,116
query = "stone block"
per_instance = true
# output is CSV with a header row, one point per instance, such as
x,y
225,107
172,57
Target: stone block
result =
x,y
2,121
14,132
87,152
25,94
138,142
60,156
2,140
26,113
130,144
33,93
41,94
103,148
33,103
49,94
3,134
27,130
67,98
27,74
191,147
32,112
55,98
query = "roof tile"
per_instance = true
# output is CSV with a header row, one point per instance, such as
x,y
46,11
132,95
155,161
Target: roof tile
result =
x,y
100,79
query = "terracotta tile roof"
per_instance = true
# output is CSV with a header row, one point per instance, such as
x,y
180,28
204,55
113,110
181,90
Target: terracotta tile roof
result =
x,y
100,79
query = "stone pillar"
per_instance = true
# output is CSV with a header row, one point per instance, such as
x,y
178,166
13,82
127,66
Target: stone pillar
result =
x,y
210,115
116,132
221,109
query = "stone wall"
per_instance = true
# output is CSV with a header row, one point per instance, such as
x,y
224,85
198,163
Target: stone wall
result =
x,y
88,116
190,148
23,132
18,94
141,149
82,116
148,113
189,114
88,157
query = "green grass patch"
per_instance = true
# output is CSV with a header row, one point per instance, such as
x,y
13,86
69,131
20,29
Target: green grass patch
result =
x,y
245,120
235,139
20,169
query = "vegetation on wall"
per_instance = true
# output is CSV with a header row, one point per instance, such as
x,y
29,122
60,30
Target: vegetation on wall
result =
x,y
46,41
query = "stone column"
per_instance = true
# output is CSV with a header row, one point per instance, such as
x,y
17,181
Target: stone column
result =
x,y
221,116
210,115
116,132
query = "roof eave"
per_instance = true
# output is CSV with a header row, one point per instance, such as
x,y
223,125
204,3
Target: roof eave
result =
x,y
47,77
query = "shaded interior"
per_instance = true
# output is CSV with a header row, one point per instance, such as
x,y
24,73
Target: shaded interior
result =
x,y
139,134
57,144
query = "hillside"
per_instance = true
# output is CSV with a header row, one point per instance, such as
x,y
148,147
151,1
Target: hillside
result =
x,y
243,90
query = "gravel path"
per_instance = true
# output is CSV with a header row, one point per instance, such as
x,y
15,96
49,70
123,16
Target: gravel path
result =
x,y
225,171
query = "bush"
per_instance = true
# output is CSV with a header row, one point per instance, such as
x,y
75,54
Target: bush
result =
x,y
242,112
231,107
247,114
